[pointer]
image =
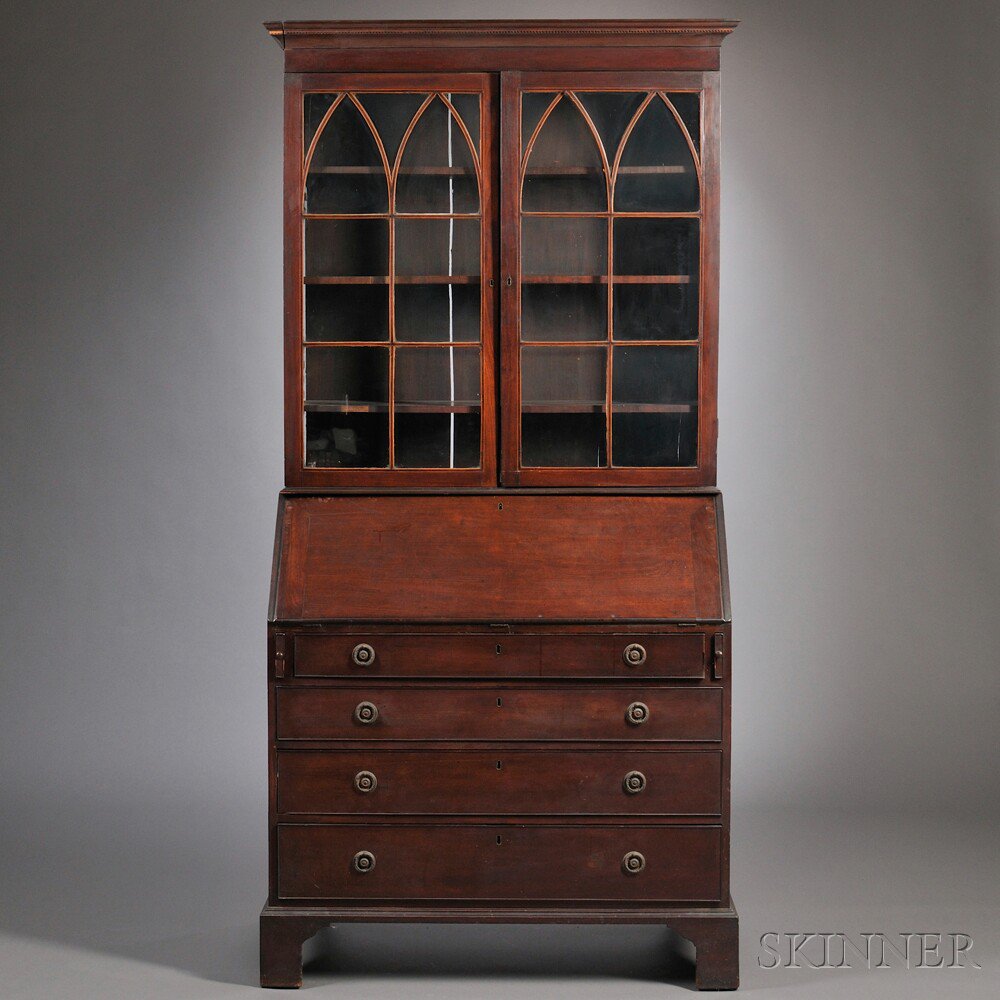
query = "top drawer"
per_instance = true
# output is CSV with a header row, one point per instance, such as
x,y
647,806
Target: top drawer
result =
x,y
488,654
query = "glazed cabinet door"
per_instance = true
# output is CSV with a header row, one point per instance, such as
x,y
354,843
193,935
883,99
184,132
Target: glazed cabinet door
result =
x,y
389,231
609,299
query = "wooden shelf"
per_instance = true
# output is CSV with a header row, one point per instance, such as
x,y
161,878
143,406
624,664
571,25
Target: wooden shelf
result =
x,y
401,279
404,171
469,172
602,279
469,406
591,172
431,406
474,279
599,406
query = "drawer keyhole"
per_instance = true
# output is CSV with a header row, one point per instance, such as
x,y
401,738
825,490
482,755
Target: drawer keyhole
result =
x,y
499,649
499,841
499,765
499,702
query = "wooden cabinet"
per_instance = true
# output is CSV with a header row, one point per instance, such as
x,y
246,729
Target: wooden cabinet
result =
x,y
499,634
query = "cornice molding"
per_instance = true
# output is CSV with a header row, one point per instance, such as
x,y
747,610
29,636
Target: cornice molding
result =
x,y
317,34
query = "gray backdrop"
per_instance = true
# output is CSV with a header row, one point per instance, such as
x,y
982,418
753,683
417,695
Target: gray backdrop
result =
x,y
141,451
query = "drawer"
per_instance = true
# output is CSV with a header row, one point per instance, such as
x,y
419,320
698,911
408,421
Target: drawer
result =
x,y
519,782
499,862
465,712
492,654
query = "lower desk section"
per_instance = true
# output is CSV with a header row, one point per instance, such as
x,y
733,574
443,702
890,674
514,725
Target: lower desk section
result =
x,y
435,862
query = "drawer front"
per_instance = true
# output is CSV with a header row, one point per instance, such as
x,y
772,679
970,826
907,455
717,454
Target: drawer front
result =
x,y
490,654
521,782
496,862
451,712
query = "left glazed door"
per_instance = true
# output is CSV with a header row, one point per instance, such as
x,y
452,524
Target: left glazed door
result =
x,y
389,259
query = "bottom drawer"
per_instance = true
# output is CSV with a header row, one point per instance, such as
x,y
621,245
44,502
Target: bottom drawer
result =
x,y
497,862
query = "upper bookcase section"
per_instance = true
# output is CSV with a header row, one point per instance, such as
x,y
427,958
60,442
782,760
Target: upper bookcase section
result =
x,y
501,253
485,46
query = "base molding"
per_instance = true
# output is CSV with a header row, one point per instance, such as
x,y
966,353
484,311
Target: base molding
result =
x,y
714,931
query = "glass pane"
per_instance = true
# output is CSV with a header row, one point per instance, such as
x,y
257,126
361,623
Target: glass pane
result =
x,y
657,171
346,173
314,106
533,106
351,247
347,312
611,114
438,247
564,246
391,115
656,312
467,106
348,376
552,377
657,247
347,393
564,172
437,407
655,406
347,440
437,172
562,406
564,312
563,440
438,312
688,106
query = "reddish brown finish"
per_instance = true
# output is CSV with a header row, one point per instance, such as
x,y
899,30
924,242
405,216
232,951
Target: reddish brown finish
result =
x,y
282,935
500,559
442,862
316,61
453,712
500,782
484,33
498,791
498,654
442,46
714,931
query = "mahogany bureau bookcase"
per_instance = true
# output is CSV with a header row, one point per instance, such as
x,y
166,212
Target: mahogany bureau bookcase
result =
x,y
499,657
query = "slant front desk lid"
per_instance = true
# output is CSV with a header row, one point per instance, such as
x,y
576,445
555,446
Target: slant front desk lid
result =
x,y
500,558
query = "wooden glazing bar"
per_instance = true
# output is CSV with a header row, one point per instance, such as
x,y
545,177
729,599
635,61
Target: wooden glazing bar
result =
x,y
603,343
601,406
402,279
457,344
397,215
337,279
364,406
617,215
604,279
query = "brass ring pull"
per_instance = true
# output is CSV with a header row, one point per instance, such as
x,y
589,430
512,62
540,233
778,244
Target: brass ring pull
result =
x,y
364,862
366,713
637,713
634,654
634,782
633,863
363,654
365,781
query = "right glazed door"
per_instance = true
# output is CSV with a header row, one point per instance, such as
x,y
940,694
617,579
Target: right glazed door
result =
x,y
610,279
